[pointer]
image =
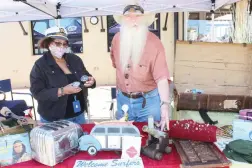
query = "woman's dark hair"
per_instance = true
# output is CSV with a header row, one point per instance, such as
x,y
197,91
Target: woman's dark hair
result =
x,y
16,156
45,43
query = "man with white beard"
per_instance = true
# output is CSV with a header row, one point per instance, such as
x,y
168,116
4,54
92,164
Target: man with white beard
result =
x,y
141,70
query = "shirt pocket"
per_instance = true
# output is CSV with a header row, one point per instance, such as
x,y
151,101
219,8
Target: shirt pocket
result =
x,y
141,72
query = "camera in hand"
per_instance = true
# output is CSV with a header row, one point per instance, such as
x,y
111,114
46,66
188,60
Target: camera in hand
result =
x,y
80,84
76,84
84,78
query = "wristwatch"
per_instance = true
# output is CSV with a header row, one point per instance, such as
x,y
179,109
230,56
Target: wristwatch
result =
x,y
62,91
164,102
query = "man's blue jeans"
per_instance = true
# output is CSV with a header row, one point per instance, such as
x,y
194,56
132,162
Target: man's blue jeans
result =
x,y
80,119
136,112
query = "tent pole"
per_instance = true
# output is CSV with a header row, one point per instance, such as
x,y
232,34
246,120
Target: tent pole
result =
x,y
57,22
212,28
24,1
22,27
212,25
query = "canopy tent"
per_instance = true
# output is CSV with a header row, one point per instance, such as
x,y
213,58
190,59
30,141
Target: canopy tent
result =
x,y
26,10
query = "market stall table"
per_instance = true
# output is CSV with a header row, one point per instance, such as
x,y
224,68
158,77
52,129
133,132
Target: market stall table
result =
x,y
171,160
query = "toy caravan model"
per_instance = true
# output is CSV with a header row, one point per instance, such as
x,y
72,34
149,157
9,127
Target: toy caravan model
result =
x,y
106,137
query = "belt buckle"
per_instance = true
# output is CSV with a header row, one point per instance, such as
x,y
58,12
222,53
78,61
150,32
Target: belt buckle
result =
x,y
131,95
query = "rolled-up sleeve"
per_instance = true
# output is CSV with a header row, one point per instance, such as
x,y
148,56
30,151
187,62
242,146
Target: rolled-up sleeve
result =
x,y
160,68
38,87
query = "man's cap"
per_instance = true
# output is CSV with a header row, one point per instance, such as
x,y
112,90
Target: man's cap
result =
x,y
133,8
149,18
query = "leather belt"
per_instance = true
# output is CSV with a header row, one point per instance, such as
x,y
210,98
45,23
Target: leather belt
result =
x,y
133,95
136,96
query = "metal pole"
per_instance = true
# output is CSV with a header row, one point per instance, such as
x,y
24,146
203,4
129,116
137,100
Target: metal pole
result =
x,y
212,29
57,22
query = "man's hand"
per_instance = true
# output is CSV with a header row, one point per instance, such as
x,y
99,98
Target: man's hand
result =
x,y
164,123
89,82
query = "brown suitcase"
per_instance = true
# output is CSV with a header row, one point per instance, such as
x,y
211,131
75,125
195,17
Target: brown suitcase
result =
x,y
213,102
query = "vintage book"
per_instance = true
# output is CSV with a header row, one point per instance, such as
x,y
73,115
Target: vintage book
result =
x,y
14,149
196,154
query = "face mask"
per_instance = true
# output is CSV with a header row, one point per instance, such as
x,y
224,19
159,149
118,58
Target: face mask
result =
x,y
57,51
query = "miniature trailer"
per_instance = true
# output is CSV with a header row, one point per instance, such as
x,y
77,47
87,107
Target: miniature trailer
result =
x,y
106,138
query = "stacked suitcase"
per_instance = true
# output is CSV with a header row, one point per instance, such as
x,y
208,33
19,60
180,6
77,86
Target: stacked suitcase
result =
x,y
53,142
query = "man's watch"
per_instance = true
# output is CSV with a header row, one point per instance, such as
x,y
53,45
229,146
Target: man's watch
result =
x,y
164,102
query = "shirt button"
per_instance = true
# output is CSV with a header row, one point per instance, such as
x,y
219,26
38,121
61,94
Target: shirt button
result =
x,y
52,71
127,84
128,66
126,76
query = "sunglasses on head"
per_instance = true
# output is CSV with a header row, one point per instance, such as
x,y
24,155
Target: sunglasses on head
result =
x,y
59,44
135,7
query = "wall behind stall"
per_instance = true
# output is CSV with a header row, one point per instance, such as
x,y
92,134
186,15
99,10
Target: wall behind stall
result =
x,y
216,68
17,59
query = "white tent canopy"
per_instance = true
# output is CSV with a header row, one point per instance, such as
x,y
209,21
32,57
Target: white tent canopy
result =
x,y
25,10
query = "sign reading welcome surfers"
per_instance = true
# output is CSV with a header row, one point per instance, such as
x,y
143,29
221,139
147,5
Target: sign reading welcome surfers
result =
x,y
111,163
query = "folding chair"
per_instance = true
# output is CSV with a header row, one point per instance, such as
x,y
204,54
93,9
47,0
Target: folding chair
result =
x,y
113,99
5,86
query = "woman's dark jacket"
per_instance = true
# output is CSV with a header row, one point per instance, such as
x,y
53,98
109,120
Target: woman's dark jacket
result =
x,y
46,78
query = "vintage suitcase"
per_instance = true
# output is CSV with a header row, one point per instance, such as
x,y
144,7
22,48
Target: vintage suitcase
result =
x,y
213,102
53,142
245,114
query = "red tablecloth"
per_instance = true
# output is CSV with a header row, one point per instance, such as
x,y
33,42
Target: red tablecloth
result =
x,y
171,160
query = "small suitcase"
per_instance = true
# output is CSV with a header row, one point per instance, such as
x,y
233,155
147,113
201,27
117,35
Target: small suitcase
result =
x,y
245,114
53,142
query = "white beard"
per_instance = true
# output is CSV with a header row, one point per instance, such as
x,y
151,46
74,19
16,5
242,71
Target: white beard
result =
x,y
132,43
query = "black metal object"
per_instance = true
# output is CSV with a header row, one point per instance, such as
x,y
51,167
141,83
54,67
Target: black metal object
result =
x,y
250,6
213,6
206,118
102,27
85,25
156,145
176,31
22,27
176,26
183,26
165,25
58,10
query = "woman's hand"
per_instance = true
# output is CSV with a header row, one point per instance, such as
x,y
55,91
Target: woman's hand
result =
x,y
69,89
89,82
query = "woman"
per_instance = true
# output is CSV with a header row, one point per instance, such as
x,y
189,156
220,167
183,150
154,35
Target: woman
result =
x,y
19,153
51,78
